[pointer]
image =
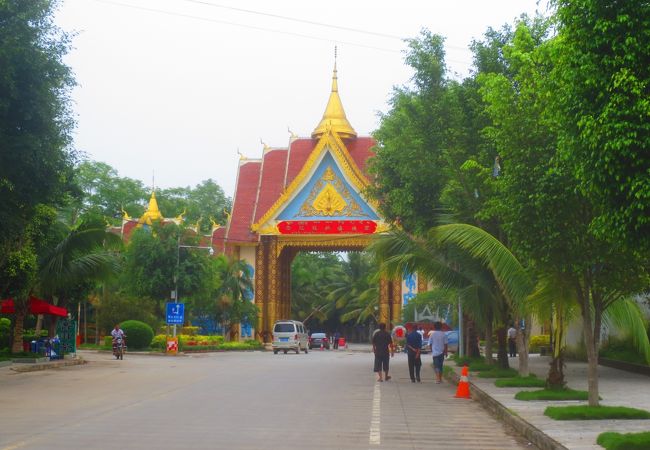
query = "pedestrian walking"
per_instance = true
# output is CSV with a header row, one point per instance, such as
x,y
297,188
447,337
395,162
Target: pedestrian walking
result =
x,y
413,349
438,342
512,341
382,347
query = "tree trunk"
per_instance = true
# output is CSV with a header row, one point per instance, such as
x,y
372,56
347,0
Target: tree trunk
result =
x,y
17,346
488,342
555,378
502,352
592,351
472,340
39,325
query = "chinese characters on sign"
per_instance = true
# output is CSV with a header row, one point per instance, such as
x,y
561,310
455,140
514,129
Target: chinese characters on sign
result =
x,y
327,227
66,329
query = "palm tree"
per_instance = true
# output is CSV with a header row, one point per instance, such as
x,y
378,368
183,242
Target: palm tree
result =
x,y
449,265
233,296
72,259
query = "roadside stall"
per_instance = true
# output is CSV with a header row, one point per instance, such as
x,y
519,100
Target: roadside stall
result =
x,y
51,347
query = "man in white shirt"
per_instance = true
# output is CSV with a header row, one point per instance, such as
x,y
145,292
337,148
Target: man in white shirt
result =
x,y
438,342
512,341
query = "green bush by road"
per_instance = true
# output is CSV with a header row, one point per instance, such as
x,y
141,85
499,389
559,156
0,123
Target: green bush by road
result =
x,y
584,412
627,441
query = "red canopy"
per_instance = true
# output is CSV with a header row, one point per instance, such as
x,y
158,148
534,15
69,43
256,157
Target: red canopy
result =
x,y
36,306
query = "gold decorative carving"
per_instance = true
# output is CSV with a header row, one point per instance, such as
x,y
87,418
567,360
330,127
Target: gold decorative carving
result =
x,y
329,197
352,173
269,229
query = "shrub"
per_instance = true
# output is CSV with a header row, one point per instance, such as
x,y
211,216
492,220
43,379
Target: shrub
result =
x,y
5,332
622,350
552,394
187,342
529,381
496,372
539,341
584,412
138,334
190,331
627,441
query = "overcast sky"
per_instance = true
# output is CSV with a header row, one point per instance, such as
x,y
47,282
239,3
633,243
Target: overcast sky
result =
x,y
177,87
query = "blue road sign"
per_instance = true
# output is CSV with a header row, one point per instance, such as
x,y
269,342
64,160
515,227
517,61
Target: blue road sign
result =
x,y
175,313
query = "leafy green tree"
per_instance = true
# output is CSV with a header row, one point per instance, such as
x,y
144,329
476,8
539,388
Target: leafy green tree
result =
x,y
311,276
106,193
546,217
204,203
35,124
412,132
355,294
155,265
602,91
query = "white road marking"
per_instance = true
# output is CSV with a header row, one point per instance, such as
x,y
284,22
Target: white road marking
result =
x,y
375,421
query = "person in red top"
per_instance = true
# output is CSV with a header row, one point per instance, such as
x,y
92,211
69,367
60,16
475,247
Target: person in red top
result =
x,y
382,346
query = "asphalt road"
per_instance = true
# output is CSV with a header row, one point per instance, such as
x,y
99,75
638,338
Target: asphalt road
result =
x,y
256,400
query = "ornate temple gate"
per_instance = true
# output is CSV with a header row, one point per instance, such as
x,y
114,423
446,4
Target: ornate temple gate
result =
x,y
308,196
274,256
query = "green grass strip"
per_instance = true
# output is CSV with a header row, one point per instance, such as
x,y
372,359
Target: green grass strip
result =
x,y
529,381
627,441
497,373
585,412
552,394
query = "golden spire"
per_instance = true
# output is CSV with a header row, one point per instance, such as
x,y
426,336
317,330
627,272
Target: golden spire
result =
x,y
152,213
334,116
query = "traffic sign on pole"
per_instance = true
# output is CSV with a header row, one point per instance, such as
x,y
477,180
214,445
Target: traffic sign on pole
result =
x,y
175,313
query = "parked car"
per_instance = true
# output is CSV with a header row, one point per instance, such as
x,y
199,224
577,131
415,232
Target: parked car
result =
x,y
452,341
289,335
318,339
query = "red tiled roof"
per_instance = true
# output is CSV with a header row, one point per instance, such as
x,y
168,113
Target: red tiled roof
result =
x,y
361,149
273,168
244,202
277,170
298,153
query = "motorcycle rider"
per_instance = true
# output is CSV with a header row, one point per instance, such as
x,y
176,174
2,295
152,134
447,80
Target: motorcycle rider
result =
x,y
118,335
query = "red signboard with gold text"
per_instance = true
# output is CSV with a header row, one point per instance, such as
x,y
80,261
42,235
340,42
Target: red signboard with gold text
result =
x,y
327,227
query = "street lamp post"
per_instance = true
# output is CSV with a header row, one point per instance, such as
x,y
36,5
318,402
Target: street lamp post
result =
x,y
178,265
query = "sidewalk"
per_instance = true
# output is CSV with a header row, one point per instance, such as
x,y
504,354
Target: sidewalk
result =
x,y
617,388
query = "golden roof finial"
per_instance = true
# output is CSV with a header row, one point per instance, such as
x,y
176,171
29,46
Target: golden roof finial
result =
x,y
334,113
152,213
266,146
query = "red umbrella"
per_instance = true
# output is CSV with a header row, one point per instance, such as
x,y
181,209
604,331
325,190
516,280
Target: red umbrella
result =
x,y
36,306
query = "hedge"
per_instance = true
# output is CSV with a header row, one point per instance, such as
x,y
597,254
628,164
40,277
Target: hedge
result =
x,y
138,334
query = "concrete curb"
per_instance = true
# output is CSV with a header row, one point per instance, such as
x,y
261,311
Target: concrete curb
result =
x,y
47,365
524,428
5,363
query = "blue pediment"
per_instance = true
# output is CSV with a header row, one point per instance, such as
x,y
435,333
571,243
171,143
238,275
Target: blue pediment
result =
x,y
328,196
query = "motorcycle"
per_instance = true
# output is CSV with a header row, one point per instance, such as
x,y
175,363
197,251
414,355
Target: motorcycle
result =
x,y
119,347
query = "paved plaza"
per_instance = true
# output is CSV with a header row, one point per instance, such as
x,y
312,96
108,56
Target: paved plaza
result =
x,y
253,400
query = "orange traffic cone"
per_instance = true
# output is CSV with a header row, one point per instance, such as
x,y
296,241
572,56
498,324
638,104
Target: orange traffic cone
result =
x,y
321,345
463,384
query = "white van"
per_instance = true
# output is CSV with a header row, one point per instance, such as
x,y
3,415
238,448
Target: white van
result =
x,y
289,335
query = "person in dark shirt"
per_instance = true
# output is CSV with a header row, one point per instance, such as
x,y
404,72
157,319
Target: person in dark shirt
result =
x,y
382,346
413,348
